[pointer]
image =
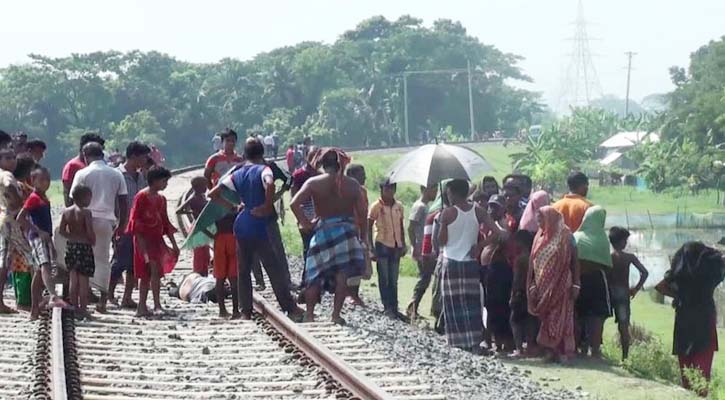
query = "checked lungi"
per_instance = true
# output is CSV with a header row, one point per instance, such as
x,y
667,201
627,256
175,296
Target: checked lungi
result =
x,y
335,246
462,312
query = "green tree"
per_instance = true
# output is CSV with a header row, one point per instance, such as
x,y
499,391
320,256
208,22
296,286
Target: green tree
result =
x,y
697,105
141,126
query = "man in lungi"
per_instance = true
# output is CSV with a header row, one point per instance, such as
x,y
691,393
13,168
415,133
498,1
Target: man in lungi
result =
x,y
336,250
460,272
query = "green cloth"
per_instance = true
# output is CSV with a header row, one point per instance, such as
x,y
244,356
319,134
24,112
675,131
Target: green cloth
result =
x,y
21,284
211,213
592,243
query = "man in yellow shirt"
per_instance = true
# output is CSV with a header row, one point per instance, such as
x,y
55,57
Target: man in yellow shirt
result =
x,y
386,216
574,205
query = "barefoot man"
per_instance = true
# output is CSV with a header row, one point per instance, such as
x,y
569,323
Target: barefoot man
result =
x,y
336,250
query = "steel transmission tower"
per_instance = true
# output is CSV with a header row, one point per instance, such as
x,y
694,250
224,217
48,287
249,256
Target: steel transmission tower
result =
x,y
580,83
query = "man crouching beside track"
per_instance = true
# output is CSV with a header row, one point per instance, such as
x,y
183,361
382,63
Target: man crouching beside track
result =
x,y
336,251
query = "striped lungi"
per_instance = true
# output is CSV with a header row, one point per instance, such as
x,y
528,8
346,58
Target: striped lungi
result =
x,y
334,246
461,295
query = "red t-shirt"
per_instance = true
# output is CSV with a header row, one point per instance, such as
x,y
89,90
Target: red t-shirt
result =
x,y
220,163
73,165
290,157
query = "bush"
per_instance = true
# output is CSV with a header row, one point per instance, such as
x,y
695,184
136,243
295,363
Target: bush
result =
x,y
648,357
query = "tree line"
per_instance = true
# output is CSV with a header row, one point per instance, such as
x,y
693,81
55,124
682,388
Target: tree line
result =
x,y
348,93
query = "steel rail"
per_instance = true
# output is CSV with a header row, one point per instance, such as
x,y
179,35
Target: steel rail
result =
x,y
358,384
57,377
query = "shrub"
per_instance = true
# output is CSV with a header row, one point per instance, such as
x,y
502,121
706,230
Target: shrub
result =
x,y
648,357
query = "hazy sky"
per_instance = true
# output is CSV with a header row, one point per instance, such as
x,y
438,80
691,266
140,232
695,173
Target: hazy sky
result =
x,y
662,32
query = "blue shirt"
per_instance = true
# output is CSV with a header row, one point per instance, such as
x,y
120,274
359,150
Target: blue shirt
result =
x,y
248,182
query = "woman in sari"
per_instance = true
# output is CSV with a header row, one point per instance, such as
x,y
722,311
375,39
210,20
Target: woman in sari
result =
x,y
695,273
553,284
593,307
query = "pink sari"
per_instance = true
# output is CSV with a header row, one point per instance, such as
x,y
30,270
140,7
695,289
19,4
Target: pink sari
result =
x,y
549,282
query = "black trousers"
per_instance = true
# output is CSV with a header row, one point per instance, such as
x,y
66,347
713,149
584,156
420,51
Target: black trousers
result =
x,y
425,275
247,250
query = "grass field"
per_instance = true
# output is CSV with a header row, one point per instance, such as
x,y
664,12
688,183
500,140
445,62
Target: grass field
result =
x,y
621,199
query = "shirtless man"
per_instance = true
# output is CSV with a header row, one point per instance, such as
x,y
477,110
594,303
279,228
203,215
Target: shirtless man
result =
x,y
619,288
337,200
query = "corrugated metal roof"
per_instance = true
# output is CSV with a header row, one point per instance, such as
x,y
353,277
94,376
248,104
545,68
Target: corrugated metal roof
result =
x,y
629,139
610,158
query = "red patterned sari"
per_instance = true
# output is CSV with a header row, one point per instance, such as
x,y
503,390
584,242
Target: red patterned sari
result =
x,y
549,281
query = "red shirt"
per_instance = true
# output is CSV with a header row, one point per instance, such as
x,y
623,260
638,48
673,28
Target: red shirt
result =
x,y
73,165
220,164
426,249
290,157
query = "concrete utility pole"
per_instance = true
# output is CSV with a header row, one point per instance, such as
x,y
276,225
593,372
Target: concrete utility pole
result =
x,y
405,106
470,100
629,76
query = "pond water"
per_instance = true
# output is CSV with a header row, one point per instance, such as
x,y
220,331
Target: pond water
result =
x,y
654,247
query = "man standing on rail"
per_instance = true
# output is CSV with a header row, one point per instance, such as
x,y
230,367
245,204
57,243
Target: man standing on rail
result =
x,y
254,182
109,189
336,250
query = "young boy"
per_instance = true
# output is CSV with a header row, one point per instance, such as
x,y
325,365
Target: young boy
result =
x,y
37,207
219,163
194,206
386,216
13,244
76,226
523,324
149,223
225,264
619,288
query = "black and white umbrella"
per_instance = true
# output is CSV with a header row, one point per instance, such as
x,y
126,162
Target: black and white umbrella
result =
x,y
432,163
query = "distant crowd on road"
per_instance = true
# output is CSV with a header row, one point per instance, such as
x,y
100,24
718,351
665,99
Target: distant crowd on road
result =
x,y
547,274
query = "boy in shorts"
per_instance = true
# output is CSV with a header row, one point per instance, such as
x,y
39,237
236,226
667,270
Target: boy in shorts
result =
x,y
225,264
193,206
76,226
620,291
37,207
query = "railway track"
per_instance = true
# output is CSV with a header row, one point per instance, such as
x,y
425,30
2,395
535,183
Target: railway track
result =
x,y
191,353
25,355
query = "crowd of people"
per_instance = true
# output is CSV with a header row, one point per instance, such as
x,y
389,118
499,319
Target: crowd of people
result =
x,y
106,207
546,275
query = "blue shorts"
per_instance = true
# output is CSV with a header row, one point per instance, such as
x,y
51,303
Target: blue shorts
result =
x,y
122,257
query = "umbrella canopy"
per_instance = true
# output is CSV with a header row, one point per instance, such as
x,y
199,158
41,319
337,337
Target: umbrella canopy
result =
x,y
432,163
